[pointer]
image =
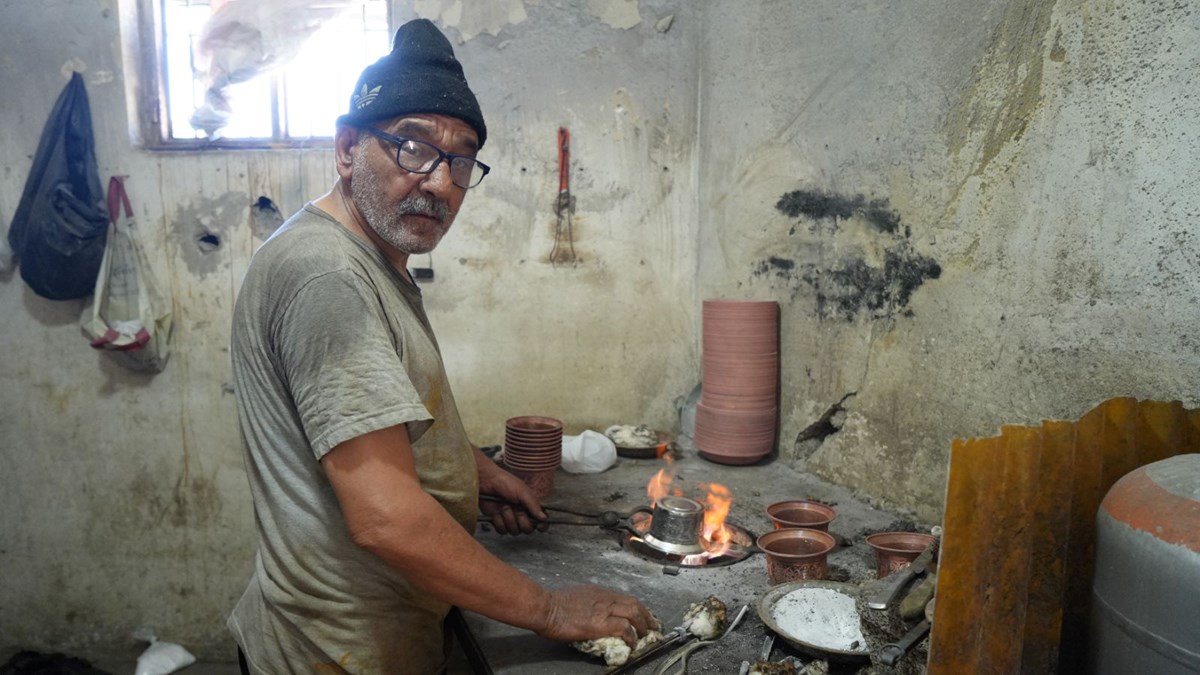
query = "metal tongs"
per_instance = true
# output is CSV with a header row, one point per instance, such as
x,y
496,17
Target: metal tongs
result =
x,y
609,520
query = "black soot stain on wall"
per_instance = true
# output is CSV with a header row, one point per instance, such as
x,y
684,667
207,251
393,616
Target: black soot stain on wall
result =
x,y
821,205
850,286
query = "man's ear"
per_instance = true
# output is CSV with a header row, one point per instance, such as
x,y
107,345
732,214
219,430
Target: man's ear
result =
x,y
343,150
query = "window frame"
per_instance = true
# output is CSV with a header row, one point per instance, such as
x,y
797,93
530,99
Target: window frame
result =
x,y
144,45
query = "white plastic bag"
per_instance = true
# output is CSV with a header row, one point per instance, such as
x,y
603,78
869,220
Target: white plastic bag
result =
x,y
129,316
161,658
589,452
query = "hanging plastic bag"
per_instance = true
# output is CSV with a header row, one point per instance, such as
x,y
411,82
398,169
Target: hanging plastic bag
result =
x,y
129,315
58,230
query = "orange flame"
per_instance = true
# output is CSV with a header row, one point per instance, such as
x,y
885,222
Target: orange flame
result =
x,y
715,536
660,485
716,507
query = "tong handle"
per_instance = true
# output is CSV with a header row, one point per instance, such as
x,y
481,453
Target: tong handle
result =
x,y
892,652
545,507
669,640
890,587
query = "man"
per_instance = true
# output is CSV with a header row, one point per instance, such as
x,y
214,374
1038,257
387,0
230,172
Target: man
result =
x,y
365,485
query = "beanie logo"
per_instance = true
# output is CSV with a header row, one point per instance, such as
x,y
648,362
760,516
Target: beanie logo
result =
x,y
365,97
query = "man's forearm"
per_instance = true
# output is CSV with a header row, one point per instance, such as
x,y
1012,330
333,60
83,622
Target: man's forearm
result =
x,y
389,514
432,551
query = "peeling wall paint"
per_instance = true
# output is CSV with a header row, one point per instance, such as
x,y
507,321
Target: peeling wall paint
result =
x,y
620,14
474,18
201,228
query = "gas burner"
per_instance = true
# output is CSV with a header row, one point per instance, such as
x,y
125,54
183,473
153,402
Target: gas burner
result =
x,y
672,536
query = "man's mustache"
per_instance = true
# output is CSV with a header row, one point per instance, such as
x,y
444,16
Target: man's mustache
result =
x,y
424,206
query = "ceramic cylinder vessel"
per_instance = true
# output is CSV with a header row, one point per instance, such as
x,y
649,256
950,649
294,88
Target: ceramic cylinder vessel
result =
x,y
1145,615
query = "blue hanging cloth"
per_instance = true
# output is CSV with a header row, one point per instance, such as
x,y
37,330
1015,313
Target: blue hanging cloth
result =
x,y
59,229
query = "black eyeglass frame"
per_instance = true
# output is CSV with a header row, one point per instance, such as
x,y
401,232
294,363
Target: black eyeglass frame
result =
x,y
448,157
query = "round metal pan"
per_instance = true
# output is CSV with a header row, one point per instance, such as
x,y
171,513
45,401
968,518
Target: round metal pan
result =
x,y
766,606
650,452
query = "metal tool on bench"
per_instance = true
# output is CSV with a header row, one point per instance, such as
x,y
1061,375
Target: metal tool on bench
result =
x,y
764,655
677,662
611,520
890,587
892,652
676,637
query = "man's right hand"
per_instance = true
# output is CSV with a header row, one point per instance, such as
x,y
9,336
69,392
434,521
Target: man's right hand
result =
x,y
589,612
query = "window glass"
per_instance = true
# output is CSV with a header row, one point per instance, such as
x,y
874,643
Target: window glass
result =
x,y
273,70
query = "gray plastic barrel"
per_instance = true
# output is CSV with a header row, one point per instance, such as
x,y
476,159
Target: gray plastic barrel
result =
x,y
1146,592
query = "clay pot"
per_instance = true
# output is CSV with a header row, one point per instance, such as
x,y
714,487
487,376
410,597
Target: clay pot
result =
x,y
734,453
759,401
732,459
896,550
743,309
737,413
796,553
801,513
734,436
735,421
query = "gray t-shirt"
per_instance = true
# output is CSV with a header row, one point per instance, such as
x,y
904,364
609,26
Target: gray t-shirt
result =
x,y
330,342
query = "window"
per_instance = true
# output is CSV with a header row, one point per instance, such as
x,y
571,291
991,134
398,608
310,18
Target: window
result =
x,y
259,73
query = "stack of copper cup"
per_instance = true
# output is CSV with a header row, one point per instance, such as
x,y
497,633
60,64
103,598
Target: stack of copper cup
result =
x,y
735,418
533,451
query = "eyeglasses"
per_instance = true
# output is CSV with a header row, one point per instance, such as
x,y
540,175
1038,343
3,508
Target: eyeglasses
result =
x,y
421,157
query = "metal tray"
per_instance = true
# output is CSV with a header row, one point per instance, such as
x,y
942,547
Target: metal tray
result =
x,y
767,603
639,453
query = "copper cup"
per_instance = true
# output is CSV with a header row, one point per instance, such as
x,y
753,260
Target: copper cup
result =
x,y
796,553
541,482
801,513
896,550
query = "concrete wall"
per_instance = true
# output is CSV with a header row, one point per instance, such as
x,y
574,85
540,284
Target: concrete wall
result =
x,y
972,213
124,499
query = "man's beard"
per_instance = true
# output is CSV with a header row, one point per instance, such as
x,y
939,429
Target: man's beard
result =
x,y
388,221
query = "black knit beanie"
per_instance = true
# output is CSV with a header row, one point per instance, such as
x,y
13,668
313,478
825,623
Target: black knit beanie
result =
x,y
421,75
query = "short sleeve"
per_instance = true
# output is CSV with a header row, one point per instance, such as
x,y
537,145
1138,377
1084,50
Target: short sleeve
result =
x,y
344,367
